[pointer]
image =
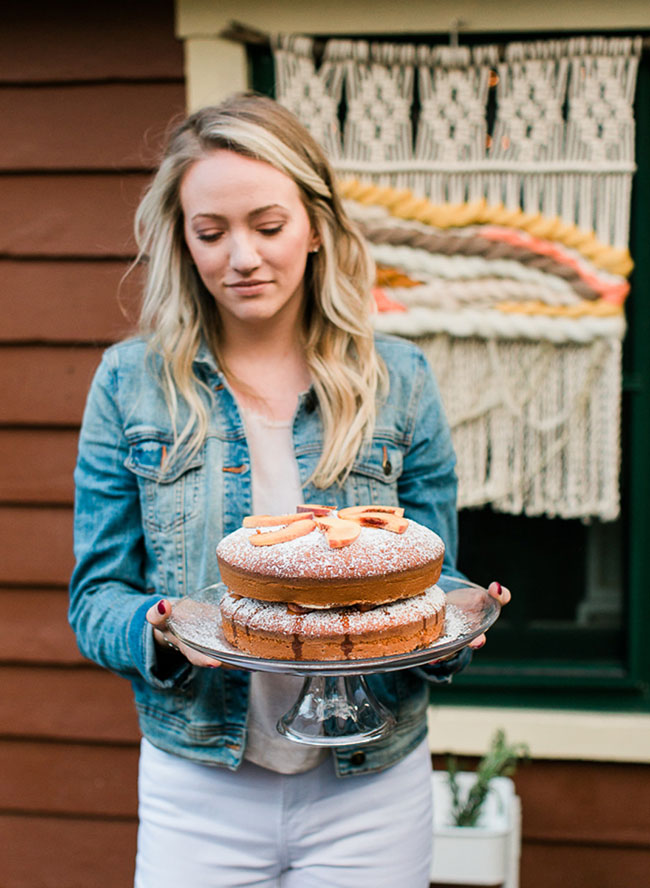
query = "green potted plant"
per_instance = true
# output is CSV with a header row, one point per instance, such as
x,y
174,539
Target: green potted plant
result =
x,y
477,819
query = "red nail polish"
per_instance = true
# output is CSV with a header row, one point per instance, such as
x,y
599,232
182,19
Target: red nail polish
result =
x,y
499,590
161,608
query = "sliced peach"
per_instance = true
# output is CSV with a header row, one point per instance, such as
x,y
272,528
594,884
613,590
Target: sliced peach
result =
x,y
338,532
354,511
315,509
284,535
394,523
274,520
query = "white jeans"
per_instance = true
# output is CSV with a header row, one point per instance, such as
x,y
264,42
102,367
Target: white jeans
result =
x,y
206,827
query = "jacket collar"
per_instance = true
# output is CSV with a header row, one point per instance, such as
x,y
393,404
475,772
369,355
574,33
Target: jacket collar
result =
x,y
204,357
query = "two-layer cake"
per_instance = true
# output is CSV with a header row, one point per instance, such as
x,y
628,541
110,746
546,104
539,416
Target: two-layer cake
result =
x,y
326,585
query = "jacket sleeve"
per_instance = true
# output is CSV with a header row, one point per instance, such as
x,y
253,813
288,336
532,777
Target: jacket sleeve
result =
x,y
108,598
428,488
428,484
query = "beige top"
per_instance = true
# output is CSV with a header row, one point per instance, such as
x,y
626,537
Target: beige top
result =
x,y
276,490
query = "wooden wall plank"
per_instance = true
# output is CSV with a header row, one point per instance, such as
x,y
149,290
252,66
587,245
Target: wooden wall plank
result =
x,y
36,545
82,215
67,301
586,802
46,852
63,778
572,866
70,729
124,125
45,386
35,627
36,466
43,42
84,703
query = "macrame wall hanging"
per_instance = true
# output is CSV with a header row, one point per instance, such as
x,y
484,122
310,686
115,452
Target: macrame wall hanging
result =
x,y
501,244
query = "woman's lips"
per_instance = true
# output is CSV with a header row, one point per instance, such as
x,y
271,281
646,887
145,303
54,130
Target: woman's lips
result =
x,y
248,288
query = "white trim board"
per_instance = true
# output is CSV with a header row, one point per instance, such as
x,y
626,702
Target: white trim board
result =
x,y
205,18
216,68
550,734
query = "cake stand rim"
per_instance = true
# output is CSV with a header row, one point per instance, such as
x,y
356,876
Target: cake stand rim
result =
x,y
457,596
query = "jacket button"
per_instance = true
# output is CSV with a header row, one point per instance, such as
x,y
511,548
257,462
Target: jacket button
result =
x,y
357,758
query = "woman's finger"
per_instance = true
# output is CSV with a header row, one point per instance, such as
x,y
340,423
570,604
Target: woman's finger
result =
x,y
478,642
159,613
501,593
158,616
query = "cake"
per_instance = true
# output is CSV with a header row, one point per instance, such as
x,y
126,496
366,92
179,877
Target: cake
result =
x,y
327,585
273,631
369,563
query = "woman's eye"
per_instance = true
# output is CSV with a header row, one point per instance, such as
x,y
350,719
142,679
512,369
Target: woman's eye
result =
x,y
208,237
275,229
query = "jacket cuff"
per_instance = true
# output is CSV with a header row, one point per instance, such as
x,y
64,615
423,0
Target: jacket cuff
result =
x,y
444,671
163,673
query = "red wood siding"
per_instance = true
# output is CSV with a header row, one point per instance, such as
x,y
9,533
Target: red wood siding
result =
x,y
88,288
86,95
121,128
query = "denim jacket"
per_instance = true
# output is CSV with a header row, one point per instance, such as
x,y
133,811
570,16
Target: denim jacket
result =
x,y
143,531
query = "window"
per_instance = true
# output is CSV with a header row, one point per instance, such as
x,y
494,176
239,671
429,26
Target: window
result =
x,y
574,635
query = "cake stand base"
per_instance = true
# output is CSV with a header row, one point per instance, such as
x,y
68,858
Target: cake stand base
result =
x,y
336,710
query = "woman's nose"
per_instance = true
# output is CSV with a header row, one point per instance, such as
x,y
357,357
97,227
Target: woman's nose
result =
x,y
244,257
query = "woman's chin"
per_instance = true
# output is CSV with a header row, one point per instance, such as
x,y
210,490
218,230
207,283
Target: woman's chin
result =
x,y
261,309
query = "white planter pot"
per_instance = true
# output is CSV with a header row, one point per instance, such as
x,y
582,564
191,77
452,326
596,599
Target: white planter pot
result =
x,y
485,854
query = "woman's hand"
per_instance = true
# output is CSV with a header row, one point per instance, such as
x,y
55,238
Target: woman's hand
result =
x,y
503,596
158,616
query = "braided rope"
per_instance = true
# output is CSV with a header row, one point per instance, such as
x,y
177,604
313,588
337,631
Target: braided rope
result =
x,y
404,204
491,324
500,245
480,293
581,309
426,265
613,288
610,286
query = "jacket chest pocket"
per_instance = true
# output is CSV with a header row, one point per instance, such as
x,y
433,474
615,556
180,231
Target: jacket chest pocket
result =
x,y
169,490
375,474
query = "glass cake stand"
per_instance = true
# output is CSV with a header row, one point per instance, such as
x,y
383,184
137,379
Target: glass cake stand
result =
x,y
336,707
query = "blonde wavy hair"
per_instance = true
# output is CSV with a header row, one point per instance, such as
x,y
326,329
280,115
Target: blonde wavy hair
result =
x,y
178,313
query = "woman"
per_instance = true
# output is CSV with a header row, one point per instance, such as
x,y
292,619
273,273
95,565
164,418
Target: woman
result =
x,y
256,384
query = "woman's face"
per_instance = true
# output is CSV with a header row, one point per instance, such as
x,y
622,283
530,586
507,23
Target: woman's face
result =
x,y
249,235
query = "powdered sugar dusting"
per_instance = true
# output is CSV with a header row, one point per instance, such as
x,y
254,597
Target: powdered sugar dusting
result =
x,y
375,552
274,617
200,623
456,625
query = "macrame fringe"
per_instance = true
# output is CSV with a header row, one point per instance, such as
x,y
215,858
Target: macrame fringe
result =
x,y
540,434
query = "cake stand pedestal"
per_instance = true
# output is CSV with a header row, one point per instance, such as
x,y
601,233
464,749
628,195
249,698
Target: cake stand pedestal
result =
x,y
336,710
336,707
